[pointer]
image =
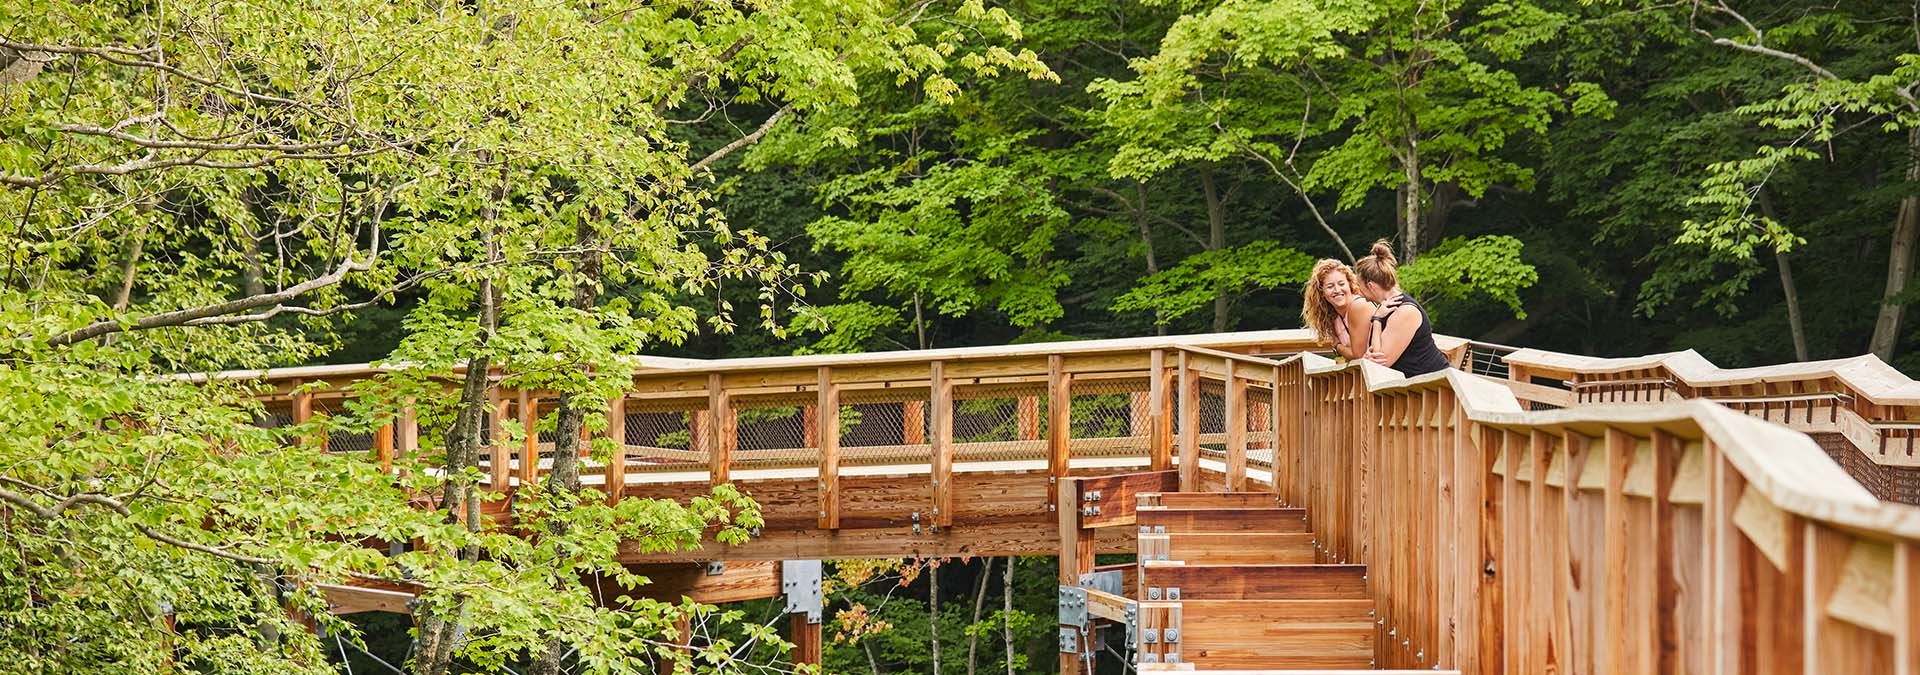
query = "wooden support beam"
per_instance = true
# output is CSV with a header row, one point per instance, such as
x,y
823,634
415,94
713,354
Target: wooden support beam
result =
x,y
942,461
1076,553
1160,427
383,446
721,439
913,422
530,443
1236,404
1906,602
1059,418
827,404
407,440
616,481
805,636
500,464
1283,437
1029,418
1189,402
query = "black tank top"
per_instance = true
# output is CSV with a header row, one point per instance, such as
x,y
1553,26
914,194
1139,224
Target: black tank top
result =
x,y
1421,356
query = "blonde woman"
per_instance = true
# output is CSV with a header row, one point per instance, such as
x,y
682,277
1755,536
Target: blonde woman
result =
x,y
1331,305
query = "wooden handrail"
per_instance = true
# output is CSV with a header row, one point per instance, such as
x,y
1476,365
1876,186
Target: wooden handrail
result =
x,y
1602,538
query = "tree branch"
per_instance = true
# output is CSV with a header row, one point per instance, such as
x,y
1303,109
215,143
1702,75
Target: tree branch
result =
x,y
187,316
741,142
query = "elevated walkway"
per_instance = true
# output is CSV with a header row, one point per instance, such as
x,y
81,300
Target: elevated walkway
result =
x,y
1539,519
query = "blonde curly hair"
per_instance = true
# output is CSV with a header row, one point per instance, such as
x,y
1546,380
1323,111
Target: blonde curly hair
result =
x,y
1315,311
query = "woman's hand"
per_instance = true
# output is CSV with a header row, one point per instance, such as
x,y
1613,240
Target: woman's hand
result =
x,y
1377,356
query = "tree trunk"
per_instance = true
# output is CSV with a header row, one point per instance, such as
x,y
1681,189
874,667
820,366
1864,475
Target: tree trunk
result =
x,y
933,613
1216,240
1006,610
1141,221
979,601
1410,213
919,322
1795,326
434,646
569,440
1906,226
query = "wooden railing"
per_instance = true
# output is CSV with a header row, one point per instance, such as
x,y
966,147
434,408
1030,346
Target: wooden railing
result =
x,y
1675,538
1860,401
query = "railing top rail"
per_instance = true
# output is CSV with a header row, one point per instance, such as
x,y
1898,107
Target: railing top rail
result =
x,y
1786,466
1285,340
1866,375
1262,361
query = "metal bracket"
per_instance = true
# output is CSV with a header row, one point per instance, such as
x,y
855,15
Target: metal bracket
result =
x,y
1153,593
1069,640
1173,593
1172,635
1173,657
1108,581
1073,606
714,568
800,580
1150,636
1149,658
1133,626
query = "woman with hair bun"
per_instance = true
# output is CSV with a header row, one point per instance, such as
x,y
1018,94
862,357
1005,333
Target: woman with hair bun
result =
x,y
1332,307
1403,337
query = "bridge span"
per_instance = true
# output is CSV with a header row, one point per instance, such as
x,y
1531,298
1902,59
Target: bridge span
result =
x,y
1527,512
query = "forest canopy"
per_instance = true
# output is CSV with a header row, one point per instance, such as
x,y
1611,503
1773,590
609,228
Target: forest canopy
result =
x,y
546,188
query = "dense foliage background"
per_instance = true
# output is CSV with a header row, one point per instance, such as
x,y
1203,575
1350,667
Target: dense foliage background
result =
x,y
545,187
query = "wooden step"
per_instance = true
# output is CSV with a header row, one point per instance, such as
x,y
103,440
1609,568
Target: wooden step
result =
x,y
1241,548
1257,582
1211,500
1184,520
1277,633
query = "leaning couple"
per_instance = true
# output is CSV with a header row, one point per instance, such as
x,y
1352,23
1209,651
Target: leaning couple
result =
x,y
1364,314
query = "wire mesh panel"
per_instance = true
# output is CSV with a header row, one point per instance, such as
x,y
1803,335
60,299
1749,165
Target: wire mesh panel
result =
x,y
884,426
775,432
1213,419
1109,417
1000,423
340,440
274,415
664,435
1260,432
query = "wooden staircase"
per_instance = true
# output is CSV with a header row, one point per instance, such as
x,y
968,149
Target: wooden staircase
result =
x,y
1230,581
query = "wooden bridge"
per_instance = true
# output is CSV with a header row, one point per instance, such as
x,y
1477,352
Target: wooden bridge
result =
x,y
1529,512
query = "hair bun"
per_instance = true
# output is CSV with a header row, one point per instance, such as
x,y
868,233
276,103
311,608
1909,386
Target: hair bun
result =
x,y
1382,251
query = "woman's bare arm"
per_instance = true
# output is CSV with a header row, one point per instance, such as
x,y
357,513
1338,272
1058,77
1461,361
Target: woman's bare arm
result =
x,y
1359,329
1402,325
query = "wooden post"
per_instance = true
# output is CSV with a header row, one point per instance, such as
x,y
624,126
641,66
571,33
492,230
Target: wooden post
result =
x,y
1160,431
383,446
941,394
1076,554
1059,418
1189,426
616,478
501,467
806,639
1236,403
1283,438
1906,603
1616,587
1029,418
827,428
720,431
408,441
530,444
913,422
1665,585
